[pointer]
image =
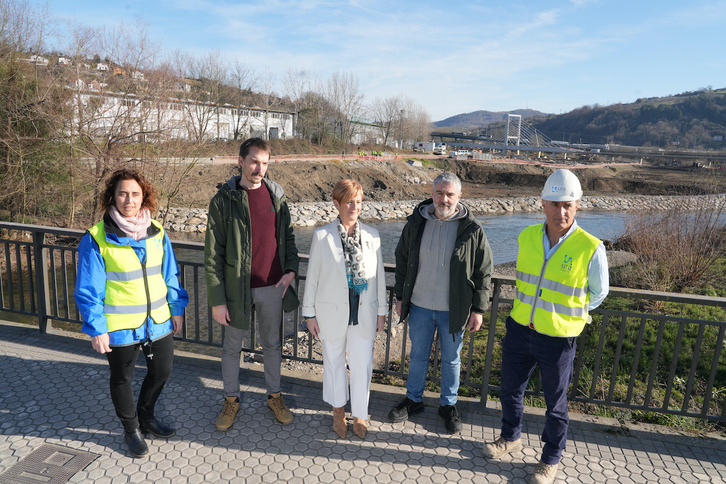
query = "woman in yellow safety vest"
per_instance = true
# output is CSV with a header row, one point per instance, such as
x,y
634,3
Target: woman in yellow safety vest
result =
x,y
129,296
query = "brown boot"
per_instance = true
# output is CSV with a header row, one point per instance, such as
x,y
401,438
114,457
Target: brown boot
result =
x,y
339,424
360,427
229,411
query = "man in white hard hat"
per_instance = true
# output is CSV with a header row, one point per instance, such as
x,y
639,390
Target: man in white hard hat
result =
x,y
562,274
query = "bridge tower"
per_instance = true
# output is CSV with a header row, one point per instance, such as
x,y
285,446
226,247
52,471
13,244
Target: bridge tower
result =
x,y
514,125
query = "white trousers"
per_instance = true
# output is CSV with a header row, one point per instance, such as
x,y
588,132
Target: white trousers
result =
x,y
335,374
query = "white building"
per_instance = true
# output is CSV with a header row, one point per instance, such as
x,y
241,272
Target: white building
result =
x,y
123,115
38,60
77,84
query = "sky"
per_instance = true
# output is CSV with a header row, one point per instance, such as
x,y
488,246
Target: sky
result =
x,y
450,57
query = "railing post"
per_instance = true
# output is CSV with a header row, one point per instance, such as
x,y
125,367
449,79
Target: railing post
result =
x,y
493,315
40,256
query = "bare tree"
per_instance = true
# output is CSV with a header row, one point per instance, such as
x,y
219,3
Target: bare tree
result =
x,y
241,82
80,42
386,113
296,84
108,122
416,125
313,110
344,95
28,110
206,76
268,98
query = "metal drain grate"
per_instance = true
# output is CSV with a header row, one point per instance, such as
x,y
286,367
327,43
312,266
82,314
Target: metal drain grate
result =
x,y
49,464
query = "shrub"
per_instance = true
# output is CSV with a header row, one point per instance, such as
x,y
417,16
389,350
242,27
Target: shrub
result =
x,y
675,249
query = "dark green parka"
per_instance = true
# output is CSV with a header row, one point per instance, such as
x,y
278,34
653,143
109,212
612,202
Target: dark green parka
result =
x,y
227,249
470,270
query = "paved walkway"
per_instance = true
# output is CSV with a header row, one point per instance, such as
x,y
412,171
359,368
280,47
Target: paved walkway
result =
x,y
57,425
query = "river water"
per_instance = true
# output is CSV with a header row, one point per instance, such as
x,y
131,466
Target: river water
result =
x,y
501,230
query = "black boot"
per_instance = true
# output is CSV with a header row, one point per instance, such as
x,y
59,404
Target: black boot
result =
x,y
156,428
136,443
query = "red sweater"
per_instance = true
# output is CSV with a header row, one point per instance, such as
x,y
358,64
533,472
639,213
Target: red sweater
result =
x,y
266,269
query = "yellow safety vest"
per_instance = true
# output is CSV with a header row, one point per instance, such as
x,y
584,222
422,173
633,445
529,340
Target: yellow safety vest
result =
x,y
134,291
552,295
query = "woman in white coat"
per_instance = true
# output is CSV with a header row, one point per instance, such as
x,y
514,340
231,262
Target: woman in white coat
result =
x,y
345,305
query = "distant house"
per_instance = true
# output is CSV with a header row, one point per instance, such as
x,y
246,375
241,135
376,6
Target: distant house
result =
x,y
182,86
77,84
86,66
138,75
38,60
119,71
101,67
64,61
718,137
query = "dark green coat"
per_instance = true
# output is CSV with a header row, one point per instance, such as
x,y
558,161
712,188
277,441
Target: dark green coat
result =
x,y
227,256
470,269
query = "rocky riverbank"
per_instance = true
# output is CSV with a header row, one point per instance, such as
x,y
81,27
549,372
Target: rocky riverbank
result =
x,y
310,214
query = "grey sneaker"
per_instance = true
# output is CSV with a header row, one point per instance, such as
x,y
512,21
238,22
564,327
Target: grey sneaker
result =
x,y
500,447
543,473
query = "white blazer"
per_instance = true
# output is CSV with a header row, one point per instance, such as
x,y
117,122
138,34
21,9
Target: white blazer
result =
x,y
326,284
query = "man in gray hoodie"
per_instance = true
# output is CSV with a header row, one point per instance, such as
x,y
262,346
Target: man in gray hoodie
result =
x,y
443,272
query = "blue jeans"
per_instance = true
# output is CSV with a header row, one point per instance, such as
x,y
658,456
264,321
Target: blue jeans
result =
x,y
422,323
522,350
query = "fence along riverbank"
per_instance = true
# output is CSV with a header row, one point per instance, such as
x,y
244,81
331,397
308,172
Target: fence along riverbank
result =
x,y
636,359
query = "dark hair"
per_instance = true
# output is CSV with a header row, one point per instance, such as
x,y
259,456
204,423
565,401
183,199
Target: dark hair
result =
x,y
258,143
106,200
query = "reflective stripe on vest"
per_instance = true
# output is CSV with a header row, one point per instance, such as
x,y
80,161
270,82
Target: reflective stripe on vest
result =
x,y
133,291
553,295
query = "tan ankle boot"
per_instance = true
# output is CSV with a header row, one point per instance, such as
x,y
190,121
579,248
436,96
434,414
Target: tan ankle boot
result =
x,y
360,427
339,424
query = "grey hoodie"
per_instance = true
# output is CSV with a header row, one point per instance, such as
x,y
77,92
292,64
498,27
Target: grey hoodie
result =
x,y
431,289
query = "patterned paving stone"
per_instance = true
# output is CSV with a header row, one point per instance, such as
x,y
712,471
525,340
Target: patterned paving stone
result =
x,y
56,393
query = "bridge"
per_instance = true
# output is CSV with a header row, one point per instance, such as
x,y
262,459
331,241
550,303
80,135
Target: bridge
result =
x,y
516,135
56,410
513,135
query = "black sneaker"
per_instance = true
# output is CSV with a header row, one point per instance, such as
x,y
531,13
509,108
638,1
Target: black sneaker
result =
x,y
452,421
405,409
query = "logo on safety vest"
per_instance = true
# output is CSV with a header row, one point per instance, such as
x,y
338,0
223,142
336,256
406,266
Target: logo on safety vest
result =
x,y
566,264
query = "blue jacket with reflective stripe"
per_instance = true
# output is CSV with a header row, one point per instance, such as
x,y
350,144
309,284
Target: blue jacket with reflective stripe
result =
x,y
91,287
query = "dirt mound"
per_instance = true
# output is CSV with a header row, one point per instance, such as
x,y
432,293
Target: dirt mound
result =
x,y
313,180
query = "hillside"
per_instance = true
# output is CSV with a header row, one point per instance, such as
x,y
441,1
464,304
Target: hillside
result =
x,y
688,120
691,120
483,118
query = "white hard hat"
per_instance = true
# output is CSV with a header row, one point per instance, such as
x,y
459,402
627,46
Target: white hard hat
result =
x,y
562,186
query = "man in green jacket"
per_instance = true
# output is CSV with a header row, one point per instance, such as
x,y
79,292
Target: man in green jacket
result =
x,y
250,260
443,271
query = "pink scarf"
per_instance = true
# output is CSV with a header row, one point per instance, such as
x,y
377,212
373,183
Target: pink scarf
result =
x,y
135,227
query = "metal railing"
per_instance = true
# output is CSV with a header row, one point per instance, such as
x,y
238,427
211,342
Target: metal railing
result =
x,y
664,361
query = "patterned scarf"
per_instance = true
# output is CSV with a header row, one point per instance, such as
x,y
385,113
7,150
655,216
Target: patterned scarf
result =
x,y
135,227
354,268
